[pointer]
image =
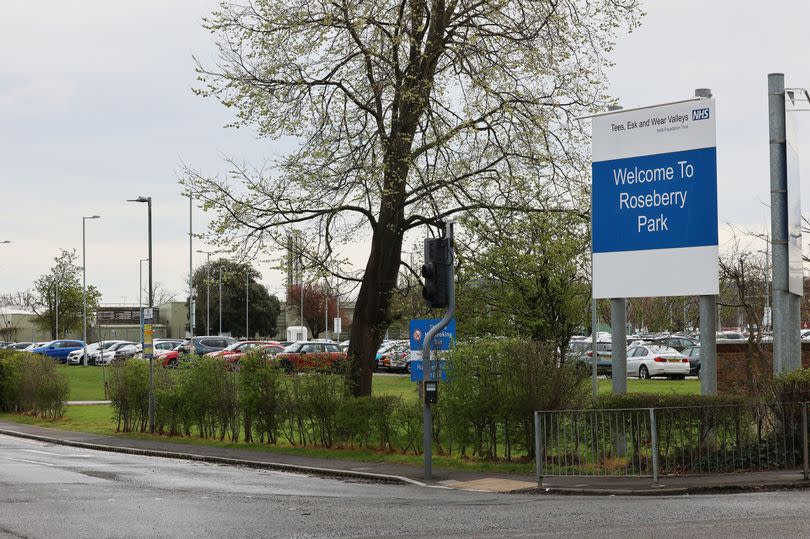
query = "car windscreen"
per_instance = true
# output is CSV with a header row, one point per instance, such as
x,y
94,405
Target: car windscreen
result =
x,y
294,347
662,350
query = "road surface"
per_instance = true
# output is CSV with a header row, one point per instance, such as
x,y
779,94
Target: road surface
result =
x,y
56,491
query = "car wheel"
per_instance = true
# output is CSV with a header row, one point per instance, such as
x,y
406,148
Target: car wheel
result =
x,y
643,373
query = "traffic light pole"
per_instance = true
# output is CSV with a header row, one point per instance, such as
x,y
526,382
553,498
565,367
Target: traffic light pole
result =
x,y
427,414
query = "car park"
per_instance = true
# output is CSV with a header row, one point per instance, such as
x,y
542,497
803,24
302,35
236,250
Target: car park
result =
x,y
102,346
59,349
651,360
304,355
730,336
164,345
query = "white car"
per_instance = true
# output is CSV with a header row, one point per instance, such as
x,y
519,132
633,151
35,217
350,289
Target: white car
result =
x,y
35,345
76,356
651,360
116,350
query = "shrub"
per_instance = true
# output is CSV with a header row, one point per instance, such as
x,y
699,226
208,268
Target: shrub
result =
x,y
494,387
260,397
129,394
791,387
31,384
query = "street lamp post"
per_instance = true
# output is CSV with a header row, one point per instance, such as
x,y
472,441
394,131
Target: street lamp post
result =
x,y
148,201
140,294
207,291
84,289
220,299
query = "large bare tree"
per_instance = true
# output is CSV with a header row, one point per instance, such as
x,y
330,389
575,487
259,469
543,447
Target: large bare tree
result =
x,y
403,113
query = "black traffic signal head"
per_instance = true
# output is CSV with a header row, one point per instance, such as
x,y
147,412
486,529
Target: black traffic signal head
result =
x,y
435,271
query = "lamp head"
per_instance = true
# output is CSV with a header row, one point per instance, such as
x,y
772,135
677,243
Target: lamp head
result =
x,y
140,199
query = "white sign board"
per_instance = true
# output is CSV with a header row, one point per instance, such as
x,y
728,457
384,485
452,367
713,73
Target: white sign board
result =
x,y
654,202
337,324
794,205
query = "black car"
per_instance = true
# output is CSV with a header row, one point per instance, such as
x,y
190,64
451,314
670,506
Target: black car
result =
x,y
693,353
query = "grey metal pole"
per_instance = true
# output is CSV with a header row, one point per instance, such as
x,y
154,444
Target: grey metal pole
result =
x,y
84,294
538,449
326,310
190,267
56,301
427,414
654,443
708,324
247,302
778,169
805,463
594,351
708,345
151,320
208,294
618,338
220,299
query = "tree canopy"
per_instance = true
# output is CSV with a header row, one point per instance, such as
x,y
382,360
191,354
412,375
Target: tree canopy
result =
x,y
263,308
405,113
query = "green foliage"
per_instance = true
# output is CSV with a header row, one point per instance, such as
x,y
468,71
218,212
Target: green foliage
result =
x,y
524,276
30,384
495,387
63,281
662,400
128,385
264,308
793,386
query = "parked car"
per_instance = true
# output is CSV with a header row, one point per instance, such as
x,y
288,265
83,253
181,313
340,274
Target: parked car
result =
x,y
583,351
304,355
730,336
234,352
58,349
102,346
118,351
677,342
164,345
693,353
653,360
394,356
203,345
171,358
76,357
344,346
33,345
19,346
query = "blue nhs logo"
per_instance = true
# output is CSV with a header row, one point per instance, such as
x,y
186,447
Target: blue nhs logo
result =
x,y
700,114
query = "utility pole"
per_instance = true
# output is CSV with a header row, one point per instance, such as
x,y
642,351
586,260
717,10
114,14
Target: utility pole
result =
x,y
220,299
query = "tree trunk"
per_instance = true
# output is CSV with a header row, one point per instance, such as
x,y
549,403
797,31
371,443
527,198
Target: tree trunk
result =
x,y
371,316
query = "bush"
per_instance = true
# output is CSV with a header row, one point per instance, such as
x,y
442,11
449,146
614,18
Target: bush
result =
x,y
129,394
260,397
791,387
31,384
494,387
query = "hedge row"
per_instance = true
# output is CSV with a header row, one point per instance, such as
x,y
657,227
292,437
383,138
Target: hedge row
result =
x,y
485,411
31,384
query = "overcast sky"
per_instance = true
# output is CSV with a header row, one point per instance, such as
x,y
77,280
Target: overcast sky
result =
x,y
96,107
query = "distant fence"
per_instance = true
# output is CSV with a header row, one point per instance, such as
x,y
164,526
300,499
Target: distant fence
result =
x,y
649,442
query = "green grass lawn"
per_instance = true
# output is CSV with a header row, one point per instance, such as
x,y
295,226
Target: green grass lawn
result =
x,y
86,383
663,387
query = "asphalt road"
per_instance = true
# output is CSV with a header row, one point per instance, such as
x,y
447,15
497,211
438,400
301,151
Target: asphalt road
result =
x,y
56,491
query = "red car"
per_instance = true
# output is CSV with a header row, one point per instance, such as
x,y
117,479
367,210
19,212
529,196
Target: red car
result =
x,y
235,351
312,355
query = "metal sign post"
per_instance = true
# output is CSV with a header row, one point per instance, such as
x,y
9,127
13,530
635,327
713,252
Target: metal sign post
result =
x,y
427,414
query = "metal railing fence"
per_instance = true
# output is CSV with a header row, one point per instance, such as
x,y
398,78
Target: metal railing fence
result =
x,y
648,442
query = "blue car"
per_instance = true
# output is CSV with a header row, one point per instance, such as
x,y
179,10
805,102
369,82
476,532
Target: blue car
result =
x,y
59,350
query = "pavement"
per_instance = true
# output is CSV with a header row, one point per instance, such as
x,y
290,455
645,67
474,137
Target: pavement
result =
x,y
387,472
